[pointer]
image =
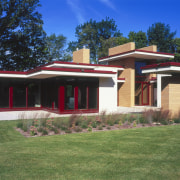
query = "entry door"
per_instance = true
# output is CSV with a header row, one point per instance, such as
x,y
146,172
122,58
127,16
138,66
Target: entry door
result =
x,y
68,98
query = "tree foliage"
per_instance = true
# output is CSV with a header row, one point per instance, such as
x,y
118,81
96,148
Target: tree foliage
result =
x,y
22,39
56,48
160,34
92,34
139,38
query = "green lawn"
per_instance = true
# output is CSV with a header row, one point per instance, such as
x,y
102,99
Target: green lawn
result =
x,y
146,153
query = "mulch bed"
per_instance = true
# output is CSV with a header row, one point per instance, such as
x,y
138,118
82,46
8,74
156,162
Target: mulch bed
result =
x,y
107,128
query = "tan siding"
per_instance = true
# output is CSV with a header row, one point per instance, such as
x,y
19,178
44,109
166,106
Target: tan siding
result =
x,y
152,48
174,97
81,56
165,94
126,90
122,48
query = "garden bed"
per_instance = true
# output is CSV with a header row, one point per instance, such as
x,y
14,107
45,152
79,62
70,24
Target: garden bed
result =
x,y
83,124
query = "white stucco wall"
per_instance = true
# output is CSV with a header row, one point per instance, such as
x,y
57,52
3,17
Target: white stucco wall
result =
x,y
108,94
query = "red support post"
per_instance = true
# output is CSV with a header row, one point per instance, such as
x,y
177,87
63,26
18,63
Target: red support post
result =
x,y
87,94
76,98
26,97
11,97
61,98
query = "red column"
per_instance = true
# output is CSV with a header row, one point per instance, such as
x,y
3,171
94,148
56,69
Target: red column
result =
x,y
26,97
76,98
87,94
61,98
11,97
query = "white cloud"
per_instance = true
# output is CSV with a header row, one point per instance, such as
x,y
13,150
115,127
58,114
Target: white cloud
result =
x,y
109,4
77,10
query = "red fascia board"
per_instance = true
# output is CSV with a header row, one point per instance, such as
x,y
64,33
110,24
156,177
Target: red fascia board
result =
x,y
135,51
121,79
12,72
72,70
84,64
167,64
153,78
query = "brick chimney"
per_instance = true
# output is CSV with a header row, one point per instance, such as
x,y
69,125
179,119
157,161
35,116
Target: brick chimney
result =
x,y
122,48
81,56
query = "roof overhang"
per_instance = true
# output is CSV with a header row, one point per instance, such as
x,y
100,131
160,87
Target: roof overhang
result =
x,y
139,54
162,68
45,72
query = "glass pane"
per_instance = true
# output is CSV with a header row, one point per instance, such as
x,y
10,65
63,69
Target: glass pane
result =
x,y
82,97
19,96
4,96
69,97
92,98
33,95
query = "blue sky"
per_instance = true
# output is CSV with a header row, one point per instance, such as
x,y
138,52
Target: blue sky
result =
x,y
62,16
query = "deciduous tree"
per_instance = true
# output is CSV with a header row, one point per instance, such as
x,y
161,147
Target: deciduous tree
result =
x,y
22,39
161,35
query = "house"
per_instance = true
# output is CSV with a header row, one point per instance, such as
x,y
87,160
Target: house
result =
x,y
131,78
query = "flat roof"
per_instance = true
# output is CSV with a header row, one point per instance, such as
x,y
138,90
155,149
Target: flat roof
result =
x,y
46,72
78,64
162,68
137,53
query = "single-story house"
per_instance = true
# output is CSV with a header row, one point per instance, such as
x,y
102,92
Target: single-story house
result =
x,y
131,77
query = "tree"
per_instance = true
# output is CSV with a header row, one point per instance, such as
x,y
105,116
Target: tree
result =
x,y
22,39
111,42
139,38
160,35
176,49
92,35
55,48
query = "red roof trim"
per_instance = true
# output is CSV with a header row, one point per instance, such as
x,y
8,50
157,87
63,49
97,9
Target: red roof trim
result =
x,y
58,69
12,72
72,63
121,79
135,51
161,65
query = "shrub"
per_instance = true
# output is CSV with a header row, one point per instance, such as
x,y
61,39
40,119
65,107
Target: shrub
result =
x,y
77,129
161,116
40,129
100,128
110,121
84,124
20,125
45,131
98,120
120,123
89,128
68,131
103,116
109,127
35,123
64,128
176,120
134,124
94,124
33,131
56,130
131,118
72,119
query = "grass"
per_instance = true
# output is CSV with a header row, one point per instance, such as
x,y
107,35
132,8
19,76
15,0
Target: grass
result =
x,y
144,153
